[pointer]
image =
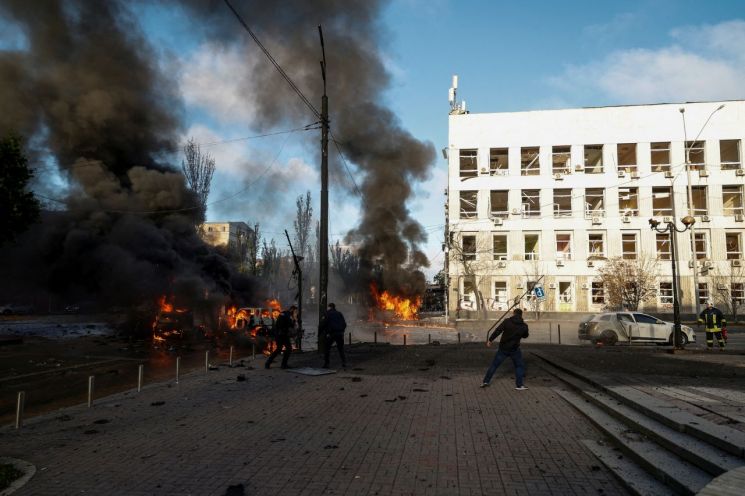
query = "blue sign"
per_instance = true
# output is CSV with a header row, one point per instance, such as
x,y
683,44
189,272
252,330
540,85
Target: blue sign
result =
x,y
539,293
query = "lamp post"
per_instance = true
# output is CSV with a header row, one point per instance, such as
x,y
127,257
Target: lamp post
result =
x,y
671,228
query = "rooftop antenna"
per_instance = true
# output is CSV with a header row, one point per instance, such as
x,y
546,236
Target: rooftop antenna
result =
x,y
455,106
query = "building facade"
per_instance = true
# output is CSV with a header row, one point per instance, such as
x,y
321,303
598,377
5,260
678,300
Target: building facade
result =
x,y
556,193
233,236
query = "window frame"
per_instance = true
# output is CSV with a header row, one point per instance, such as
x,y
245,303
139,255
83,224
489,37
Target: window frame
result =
x,y
590,253
528,166
633,193
660,166
662,212
495,168
636,246
665,297
622,164
598,167
590,212
566,193
501,256
663,238
470,214
526,199
535,255
697,147
729,164
597,293
472,256
464,172
567,255
564,153
733,255
735,192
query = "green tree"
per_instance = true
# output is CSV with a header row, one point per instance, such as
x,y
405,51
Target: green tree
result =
x,y
18,207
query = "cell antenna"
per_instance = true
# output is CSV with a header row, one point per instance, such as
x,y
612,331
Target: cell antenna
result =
x,y
455,106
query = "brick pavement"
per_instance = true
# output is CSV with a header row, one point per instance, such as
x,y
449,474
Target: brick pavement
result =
x,y
386,433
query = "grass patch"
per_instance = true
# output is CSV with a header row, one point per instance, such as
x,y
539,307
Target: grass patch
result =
x,y
8,473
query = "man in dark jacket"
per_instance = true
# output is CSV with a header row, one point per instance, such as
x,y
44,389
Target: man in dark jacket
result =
x,y
283,327
333,327
512,330
713,320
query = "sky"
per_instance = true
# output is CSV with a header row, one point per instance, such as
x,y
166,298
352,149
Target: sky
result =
x,y
509,56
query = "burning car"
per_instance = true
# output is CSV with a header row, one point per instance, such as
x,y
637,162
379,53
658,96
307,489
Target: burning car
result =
x,y
174,324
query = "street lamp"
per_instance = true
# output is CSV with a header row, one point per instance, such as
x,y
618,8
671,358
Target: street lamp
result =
x,y
688,222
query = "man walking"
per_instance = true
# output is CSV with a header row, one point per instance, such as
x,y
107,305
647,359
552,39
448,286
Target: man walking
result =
x,y
283,327
512,330
333,327
713,321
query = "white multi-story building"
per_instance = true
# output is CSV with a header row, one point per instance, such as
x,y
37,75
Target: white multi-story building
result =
x,y
558,192
229,235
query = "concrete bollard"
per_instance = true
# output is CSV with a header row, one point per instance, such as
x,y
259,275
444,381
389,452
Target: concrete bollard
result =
x,y
207,361
140,375
20,406
178,367
375,337
91,383
404,339
458,338
230,359
558,326
429,338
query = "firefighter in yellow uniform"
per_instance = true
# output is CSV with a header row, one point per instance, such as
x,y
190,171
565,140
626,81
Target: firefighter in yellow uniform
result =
x,y
713,320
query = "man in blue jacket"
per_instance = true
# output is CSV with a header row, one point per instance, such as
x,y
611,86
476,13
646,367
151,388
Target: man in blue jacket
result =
x,y
512,330
333,327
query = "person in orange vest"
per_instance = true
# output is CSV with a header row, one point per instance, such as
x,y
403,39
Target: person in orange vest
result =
x,y
713,321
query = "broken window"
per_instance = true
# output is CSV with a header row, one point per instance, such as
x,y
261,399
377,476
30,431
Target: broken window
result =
x,y
498,161
729,154
703,293
469,163
737,293
500,246
594,159
701,246
561,160
468,293
563,246
565,292
498,204
530,164
468,204
562,203
469,247
660,156
597,293
665,294
595,245
699,200
627,157
594,202
628,246
531,247
662,204
500,291
531,202
695,154
663,246
628,201
732,242
732,200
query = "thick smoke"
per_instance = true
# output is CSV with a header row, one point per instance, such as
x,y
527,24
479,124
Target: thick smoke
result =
x,y
87,91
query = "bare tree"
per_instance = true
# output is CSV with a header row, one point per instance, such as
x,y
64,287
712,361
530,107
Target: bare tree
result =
x,y
254,244
471,257
198,169
347,266
535,272
628,283
271,258
729,291
302,225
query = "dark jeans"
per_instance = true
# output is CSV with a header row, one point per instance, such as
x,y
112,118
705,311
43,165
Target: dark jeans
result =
x,y
338,338
282,342
517,360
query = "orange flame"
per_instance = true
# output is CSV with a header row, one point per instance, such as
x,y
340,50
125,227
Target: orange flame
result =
x,y
403,308
164,305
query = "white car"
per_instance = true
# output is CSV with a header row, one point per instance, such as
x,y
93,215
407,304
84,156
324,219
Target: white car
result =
x,y
631,327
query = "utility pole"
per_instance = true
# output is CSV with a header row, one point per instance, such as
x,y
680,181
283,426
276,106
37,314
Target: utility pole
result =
x,y
299,272
323,254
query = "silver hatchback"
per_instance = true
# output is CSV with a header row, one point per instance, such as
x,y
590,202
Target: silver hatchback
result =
x,y
631,327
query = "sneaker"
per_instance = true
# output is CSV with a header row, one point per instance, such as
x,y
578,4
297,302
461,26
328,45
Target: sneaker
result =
x,y
484,384
521,388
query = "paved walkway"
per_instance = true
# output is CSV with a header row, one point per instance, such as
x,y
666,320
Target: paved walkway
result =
x,y
423,428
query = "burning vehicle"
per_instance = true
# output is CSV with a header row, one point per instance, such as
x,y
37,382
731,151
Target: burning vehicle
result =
x,y
175,324
252,325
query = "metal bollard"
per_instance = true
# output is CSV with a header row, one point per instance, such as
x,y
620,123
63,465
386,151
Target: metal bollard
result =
x,y
458,338
375,337
91,383
429,338
253,351
230,360
140,375
207,361
178,367
404,339
550,332
350,338
559,331
20,405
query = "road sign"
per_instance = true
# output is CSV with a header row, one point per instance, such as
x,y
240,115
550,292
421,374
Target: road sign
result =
x,y
539,293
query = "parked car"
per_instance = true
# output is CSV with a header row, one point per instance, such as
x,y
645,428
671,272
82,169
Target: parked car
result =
x,y
635,327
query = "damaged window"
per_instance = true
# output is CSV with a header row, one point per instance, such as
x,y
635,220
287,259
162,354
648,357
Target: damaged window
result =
x,y
660,156
627,157
701,245
663,246
530,164
468,293
594,202
732,242
563,246
732,200
498,162
565,292
561,160
562,203
596,245
594,159
468,200
469,247
531,202
729,154
500,291
699,200
469,163
665,294
737,292
628,201
662,205
500,247
498,204
597,293
628,246
695,154
703,293
531,247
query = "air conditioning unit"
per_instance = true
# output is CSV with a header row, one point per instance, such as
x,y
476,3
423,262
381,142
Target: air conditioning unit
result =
x,y
667,219
690,264
722,287
736,263
500,172
705,218
669,174
560,263
621,174
739,217
497,221
703,173
558,176
552,285
590,263
634,175
596,220
519,285
585,285
740,172
516,211
502,264
484,171
706,264
579,168
626,219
